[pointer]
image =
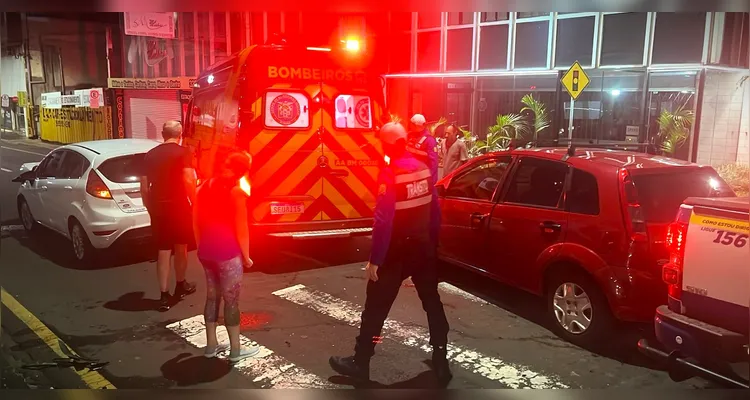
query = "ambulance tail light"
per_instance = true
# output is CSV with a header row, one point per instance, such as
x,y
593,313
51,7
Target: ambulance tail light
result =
x,y
676,240
632,211
96,187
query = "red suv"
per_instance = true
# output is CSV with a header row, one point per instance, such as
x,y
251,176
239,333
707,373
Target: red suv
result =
x,y
585,228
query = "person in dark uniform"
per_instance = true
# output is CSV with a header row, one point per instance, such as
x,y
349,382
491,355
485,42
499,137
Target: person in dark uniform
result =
x,y
401,247
423,146
168,190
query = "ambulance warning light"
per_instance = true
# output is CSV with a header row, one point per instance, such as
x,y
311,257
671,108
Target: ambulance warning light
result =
x,y
352,45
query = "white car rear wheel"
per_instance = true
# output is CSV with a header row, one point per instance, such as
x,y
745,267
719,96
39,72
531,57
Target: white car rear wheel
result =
x,y
83,251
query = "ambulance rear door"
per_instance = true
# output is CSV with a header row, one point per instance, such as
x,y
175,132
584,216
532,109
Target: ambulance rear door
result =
x,y
351,153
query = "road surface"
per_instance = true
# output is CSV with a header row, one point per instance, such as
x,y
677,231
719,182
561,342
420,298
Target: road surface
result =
x,y
302,304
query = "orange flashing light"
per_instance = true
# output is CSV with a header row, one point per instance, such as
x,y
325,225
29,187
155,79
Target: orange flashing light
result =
x,y
352,45
245,185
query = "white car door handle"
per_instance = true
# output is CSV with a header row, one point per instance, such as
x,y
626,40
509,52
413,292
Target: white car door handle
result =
x,y
44,187
68,187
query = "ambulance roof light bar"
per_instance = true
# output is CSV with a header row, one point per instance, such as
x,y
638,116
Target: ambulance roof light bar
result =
x,y
319,48
351,45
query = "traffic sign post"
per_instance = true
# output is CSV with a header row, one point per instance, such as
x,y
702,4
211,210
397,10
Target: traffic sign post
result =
x,y
574,81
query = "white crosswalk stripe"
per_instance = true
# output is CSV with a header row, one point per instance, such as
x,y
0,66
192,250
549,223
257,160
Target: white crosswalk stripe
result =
x,y
510,375
267,369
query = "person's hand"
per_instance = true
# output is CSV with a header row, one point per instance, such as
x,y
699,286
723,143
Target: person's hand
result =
x,y
371,271
247,263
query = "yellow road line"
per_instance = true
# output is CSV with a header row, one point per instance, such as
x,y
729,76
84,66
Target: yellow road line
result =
x,y
92,379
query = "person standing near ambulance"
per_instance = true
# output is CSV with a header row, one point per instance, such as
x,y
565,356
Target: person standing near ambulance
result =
x,y
423,146
168,190
402,247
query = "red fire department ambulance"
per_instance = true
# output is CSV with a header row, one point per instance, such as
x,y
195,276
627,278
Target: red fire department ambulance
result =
x,y
309,118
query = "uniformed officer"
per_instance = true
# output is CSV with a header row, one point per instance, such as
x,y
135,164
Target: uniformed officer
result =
x,y
423,146
401,248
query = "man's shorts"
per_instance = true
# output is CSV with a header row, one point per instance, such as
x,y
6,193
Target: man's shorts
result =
x,y
171,226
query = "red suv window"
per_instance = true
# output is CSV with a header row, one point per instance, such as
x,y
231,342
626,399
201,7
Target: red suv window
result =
x,y
538,183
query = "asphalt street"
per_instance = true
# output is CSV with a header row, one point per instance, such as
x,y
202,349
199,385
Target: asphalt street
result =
x,y
301,304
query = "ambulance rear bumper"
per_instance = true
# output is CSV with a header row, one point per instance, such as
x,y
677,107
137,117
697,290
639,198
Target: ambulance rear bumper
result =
x,y
316,229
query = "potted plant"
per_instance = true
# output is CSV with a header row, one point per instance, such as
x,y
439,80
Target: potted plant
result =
x,y
674,129
541,119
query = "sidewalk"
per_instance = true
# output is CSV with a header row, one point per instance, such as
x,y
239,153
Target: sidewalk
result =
x,y
12,137
12,375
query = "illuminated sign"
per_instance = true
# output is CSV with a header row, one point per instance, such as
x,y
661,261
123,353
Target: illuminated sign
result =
x,y
180,83
316,74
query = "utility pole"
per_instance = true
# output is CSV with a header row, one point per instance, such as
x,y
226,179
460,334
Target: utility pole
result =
x,y
31,131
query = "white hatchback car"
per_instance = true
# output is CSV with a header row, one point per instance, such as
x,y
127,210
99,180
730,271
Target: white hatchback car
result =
x,y
89,192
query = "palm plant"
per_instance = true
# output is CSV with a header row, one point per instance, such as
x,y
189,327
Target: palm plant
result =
x,y
473,146
506,128
541,118
433,126
674,128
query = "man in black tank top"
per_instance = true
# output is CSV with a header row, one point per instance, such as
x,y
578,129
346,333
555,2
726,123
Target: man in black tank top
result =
x,y
168,190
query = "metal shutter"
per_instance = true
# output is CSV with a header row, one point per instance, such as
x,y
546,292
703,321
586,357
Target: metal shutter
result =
x,y
147,110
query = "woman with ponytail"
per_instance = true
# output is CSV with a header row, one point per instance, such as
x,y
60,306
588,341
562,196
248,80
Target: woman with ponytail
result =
x,y
221,232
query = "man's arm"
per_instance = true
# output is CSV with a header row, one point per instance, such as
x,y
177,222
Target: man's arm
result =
x,y
385,209
432,156
189,176
145,192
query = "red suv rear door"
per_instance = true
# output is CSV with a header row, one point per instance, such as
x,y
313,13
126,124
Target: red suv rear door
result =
x,y
528,221
466,206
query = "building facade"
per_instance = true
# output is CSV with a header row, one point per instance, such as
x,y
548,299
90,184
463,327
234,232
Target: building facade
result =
x,y
472,67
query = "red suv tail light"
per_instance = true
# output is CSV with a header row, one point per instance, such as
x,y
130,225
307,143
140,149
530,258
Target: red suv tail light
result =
x,y
634,219
676,238
96,187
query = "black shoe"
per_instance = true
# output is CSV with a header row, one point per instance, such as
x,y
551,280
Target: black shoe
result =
x,y
183,289
440,365
165,303
347,366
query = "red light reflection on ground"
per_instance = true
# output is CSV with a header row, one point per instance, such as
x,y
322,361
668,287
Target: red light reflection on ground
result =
x,y
253,320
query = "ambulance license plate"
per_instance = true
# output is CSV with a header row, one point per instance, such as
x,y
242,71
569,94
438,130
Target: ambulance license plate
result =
x,y
287,208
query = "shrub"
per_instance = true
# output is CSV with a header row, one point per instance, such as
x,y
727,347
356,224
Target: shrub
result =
x,y
737,176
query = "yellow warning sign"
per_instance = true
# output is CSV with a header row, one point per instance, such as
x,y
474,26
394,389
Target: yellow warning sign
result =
x,y
575,80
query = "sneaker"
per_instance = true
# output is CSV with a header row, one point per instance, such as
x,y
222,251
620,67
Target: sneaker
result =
x,y
213,352
244,353
440,365
165,303
183,289
347,366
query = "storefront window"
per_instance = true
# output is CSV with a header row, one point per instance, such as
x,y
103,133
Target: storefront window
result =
x,y
291,25
460,18
609,110
220,35
669,93
736,37
458,55
273,23
494,16
237,27
575,39
678,37
502,96
493,47
400,21
531,44
256,26
623,39
400,57
458,94
187,36
428,51
426,20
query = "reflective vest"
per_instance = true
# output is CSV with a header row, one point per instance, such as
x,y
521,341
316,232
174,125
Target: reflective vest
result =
x,y
418,148
413,191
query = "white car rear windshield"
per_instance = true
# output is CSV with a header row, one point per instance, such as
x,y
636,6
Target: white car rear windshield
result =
x,y
126,169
